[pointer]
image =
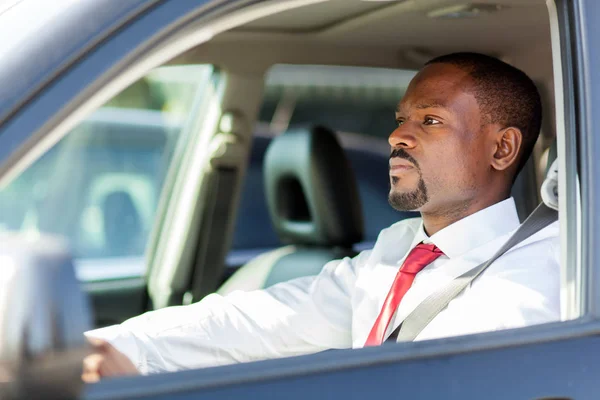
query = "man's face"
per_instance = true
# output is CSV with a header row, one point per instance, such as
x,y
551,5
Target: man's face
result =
x,y
440,151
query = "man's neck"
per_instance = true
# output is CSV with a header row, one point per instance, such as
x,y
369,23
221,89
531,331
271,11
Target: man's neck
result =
x,y
435,221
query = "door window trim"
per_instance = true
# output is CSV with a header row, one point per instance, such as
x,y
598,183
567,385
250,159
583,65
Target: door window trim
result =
x,y
585,325
572,287
581,327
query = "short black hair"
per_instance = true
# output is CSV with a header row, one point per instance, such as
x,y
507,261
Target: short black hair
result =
x,y
505,95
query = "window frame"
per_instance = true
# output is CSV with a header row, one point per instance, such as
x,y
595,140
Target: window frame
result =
x,y
575,139
577,72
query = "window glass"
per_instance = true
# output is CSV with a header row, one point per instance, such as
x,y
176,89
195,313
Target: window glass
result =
x,y
99,186
357,103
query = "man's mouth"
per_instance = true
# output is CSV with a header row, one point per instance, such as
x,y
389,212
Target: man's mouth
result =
x,y
401,161
399,164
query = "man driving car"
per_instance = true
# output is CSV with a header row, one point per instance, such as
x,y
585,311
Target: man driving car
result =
x,y
466,126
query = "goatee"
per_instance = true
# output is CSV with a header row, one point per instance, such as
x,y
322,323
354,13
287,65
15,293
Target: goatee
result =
x,y
410,201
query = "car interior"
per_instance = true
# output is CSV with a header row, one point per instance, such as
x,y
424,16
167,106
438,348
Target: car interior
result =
x,y
314,205
308,177
398,35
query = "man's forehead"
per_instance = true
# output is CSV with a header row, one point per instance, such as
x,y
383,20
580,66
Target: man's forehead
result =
x,y
423,103
436,86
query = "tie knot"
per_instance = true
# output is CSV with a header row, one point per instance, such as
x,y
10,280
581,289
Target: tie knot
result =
x,y
429,247
419,257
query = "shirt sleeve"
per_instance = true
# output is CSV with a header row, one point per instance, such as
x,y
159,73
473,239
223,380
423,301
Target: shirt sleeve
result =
x,y
302,316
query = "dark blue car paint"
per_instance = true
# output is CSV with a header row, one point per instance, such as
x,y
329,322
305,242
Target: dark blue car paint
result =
x,y
522,364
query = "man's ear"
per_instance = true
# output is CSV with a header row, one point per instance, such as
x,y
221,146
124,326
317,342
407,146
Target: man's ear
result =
x,y
508,142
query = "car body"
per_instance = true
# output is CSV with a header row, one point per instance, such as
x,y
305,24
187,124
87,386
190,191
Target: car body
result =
x,y
88,51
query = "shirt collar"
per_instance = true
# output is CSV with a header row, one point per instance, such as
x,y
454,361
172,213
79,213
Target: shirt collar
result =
x,y
473,231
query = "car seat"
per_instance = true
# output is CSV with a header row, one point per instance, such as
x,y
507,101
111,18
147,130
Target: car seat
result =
x,y
314,206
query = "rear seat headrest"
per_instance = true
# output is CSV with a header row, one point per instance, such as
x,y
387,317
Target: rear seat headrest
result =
x,y
311,189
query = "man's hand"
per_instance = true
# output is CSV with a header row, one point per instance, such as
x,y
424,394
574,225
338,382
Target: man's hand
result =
x,y
105,361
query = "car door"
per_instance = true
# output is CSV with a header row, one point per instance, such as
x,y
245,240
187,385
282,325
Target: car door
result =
x,y
552,361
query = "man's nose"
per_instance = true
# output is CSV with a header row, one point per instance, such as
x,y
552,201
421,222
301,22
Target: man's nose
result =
x,y
402,137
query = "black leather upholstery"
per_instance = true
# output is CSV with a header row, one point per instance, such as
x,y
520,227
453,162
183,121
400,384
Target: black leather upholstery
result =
x,y
314,206
311,190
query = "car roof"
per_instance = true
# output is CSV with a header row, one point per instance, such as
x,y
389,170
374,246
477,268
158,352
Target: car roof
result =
x,y
47,36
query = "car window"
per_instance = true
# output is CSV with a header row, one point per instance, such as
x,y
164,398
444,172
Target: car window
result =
x,y
358,103
99,186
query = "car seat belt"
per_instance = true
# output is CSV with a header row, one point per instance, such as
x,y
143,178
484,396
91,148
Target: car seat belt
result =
x,y
544,214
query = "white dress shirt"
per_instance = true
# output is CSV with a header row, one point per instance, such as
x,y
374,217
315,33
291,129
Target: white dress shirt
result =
x,y
337,308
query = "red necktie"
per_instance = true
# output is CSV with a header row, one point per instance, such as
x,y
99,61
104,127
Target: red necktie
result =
x,y
418,258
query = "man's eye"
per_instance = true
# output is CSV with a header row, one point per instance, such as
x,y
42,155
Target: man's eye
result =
x,y
431,121
400,121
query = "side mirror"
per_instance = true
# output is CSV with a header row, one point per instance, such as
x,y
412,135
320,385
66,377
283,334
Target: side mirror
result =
x,y
43,315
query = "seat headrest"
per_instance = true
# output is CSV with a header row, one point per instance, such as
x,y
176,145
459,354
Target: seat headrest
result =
x,y
311,189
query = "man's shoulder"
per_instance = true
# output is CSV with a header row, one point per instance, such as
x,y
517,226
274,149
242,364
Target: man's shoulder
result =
x,y
545,244
548,236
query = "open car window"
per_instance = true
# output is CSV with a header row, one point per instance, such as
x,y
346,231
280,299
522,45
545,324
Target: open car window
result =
x,y
128,186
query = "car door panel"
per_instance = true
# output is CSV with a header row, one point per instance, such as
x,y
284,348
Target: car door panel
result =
x,y
556,369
